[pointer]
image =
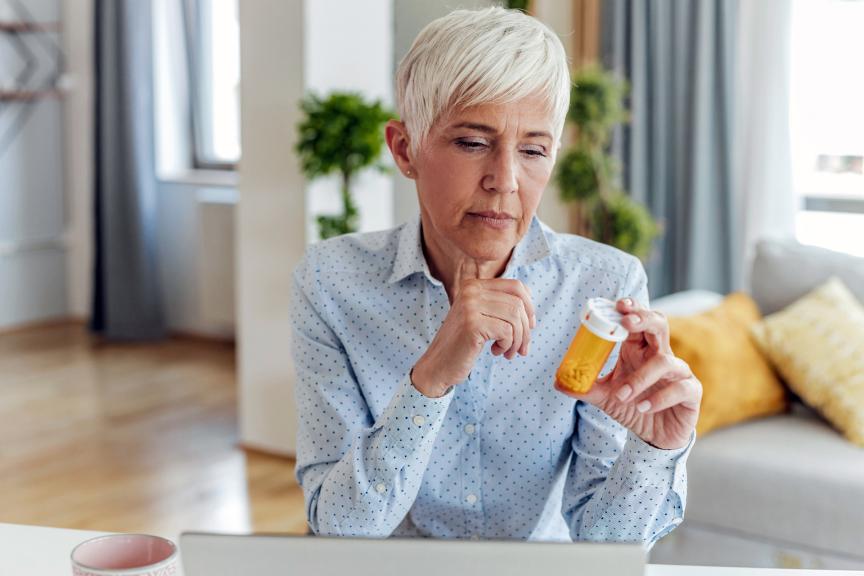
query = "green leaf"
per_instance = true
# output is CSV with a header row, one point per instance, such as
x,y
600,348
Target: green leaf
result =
x,y
577,176
625,224
586,173
518,4
597,104
340,133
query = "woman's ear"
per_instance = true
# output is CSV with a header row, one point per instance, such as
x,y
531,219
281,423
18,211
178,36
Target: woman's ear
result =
x,y
400,147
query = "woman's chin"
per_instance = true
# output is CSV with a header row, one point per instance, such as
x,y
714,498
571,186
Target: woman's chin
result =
x,y
488,250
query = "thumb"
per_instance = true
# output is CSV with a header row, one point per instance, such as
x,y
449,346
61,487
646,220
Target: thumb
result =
x,y
605,379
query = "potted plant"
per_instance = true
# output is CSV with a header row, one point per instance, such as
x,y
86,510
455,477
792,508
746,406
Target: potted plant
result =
x,y
341,133
524,5
587,175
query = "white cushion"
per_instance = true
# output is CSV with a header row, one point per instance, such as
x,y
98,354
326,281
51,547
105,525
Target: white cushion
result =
x,y
687,302
790,477
784,271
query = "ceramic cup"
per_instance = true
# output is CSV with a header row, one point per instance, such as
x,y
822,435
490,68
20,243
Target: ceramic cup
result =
x,y
125,555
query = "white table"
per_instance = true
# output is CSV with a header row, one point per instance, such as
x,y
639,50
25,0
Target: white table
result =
x,y
39,551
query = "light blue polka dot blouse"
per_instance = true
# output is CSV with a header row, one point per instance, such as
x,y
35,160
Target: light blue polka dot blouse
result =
x,y
503,455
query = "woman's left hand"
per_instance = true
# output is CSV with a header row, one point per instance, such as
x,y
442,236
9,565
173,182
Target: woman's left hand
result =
x,y
650,391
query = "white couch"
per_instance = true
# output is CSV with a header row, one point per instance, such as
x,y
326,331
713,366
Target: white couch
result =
x,y
785,491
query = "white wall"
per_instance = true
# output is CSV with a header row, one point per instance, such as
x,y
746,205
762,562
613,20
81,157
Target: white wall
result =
x,y
287,47
32,206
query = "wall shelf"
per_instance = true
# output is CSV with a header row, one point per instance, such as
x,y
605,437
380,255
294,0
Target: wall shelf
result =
x,y
27,96
30,40
29,27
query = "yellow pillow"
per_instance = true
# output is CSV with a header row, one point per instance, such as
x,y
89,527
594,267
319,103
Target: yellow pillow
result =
x,y
737,381
817,344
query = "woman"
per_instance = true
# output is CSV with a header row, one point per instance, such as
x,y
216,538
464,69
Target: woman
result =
x,y
426,354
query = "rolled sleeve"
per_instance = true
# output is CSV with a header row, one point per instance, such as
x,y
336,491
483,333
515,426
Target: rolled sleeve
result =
x,y
642,463
410,423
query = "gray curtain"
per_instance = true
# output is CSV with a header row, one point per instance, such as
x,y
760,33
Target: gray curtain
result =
x,y
126,297
678,56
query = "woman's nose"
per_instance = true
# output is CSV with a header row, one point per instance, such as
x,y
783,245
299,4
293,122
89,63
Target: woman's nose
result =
x,y
501,176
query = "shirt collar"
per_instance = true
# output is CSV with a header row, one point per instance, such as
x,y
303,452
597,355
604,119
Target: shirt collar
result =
x,y
533,247
409,254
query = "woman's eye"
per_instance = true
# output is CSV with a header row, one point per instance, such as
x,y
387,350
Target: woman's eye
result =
x,y
537,152
475,145
470,144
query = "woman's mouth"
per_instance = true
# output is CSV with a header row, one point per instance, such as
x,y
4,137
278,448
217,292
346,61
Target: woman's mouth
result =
x,y
496,220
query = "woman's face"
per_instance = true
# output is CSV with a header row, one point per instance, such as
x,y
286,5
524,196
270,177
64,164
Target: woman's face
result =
x,y
480,175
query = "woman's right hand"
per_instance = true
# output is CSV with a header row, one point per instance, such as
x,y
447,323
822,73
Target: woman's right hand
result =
x,y
495,309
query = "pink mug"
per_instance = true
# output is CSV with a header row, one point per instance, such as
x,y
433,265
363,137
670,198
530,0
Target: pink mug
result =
x,y
125,555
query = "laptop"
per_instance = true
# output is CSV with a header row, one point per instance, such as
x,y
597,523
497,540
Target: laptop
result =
x,y
282,555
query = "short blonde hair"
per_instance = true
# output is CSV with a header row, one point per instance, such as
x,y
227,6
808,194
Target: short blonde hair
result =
x,y
472,57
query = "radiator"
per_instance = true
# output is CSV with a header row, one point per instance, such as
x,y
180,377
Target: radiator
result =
x,y
216,207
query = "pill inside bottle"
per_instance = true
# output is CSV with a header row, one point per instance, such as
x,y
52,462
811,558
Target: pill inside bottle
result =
x,y
597,336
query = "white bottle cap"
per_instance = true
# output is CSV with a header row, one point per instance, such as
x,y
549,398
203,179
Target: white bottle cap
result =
x,y
601,318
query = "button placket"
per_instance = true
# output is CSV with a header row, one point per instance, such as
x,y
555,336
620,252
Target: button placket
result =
x,y
471,497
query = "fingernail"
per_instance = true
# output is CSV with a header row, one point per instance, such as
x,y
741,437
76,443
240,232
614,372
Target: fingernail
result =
x,y
635,319
628,301
643,406
533,321
624,392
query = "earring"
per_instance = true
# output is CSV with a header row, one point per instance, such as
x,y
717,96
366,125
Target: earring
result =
x,y
408,173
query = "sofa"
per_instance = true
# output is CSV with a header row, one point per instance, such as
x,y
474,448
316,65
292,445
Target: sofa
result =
x,y
784,491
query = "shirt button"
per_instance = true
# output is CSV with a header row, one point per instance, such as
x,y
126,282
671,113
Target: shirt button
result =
x,y
419,420
471,498
475,537
381,488
469,428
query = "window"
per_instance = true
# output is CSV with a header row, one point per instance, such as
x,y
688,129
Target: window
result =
x,y
217,99
827,122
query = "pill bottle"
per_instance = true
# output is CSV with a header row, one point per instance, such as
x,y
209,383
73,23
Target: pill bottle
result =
x,y
600,330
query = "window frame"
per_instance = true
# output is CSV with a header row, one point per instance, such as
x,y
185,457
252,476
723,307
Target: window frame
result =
x,y
202,85
844,205
823,197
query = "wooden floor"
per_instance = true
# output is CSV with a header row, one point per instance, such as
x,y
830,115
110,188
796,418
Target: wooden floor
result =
x,y
131,438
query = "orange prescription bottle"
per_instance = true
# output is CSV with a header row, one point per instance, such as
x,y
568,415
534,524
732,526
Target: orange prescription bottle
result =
x,y
600,330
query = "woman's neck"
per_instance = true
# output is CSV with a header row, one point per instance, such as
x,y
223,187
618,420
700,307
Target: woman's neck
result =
x,y
452,266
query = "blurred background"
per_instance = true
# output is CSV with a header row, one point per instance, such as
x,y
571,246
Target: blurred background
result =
x,y
156,193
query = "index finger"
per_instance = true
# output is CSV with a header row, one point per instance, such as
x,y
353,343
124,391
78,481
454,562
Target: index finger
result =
x,y
644,323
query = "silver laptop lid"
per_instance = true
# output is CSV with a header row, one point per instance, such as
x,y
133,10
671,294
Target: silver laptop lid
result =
x,y
271,555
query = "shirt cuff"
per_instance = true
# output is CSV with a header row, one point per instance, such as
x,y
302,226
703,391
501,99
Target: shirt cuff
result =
x,y
645,462
649,463
410,419
660,453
